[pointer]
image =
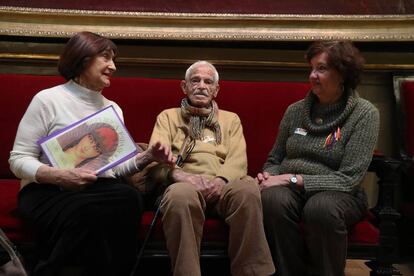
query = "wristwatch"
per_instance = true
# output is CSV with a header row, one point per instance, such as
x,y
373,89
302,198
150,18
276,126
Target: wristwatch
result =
x,y
293,181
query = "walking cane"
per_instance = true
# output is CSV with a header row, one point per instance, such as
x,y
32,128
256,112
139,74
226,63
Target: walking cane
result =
x,y
187,147
148,235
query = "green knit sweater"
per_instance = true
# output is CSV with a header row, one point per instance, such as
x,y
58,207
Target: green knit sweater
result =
x,y
300,146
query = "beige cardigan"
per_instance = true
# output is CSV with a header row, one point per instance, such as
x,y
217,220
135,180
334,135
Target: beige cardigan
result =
x,y
227,160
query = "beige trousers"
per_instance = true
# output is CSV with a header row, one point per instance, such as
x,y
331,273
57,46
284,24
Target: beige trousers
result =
x,y
183,209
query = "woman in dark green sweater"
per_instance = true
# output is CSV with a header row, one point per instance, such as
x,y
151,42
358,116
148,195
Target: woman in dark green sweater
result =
x,y
313,173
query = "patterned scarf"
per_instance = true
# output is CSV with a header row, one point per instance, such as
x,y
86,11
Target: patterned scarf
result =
x,y
200,118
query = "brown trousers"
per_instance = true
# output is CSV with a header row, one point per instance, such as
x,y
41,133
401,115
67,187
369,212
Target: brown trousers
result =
x,y
183,209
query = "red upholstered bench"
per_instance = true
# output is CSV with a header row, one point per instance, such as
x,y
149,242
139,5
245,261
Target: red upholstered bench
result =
x,y
260,106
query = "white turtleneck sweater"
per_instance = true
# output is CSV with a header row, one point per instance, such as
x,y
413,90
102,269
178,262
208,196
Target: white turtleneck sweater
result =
x,y
49,111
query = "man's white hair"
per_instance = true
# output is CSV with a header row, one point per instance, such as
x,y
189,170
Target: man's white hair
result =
x,y
201,63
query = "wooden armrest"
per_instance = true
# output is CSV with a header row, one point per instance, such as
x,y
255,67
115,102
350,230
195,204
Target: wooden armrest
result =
x,y
388,171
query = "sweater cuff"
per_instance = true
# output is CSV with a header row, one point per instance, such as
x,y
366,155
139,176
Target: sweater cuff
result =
x,y
272,170
31,170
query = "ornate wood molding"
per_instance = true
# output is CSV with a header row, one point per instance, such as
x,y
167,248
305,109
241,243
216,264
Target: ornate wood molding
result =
x,y
222,62
35,22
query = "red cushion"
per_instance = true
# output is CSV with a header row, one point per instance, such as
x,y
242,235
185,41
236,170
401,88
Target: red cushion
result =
x,y
10,222
364,232
8,204
261,106
17,91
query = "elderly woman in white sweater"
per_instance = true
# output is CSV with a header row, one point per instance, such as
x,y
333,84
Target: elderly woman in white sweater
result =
x,y
80,215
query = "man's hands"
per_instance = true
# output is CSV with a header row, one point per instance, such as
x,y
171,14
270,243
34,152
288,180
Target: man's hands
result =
x,y
160,153
210,189
213,189
70,179
157,152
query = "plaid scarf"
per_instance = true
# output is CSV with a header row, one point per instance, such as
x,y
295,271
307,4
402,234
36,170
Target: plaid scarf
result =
x,y
200,118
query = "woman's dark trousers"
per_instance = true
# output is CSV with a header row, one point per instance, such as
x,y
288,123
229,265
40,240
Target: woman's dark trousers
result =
x,y
95,228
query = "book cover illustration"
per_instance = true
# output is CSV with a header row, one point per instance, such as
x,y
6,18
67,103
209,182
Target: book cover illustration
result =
x,y
97,142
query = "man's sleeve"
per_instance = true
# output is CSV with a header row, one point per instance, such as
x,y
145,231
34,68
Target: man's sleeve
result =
x,y
235,164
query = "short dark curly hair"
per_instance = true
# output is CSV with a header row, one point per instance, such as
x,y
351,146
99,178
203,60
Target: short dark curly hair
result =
x,y
79,51
343,56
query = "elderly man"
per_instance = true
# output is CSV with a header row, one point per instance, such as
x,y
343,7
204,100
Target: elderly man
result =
x,y
211,174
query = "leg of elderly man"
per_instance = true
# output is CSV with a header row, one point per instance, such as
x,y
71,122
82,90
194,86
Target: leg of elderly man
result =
x,y
183,218
240,206
183,209
327,216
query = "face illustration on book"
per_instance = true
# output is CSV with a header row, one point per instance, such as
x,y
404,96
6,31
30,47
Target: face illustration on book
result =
x,y
103,140
87,147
